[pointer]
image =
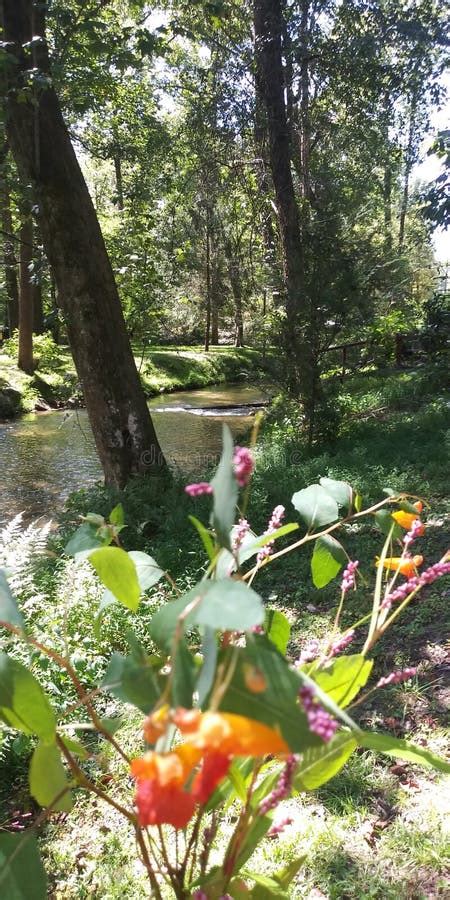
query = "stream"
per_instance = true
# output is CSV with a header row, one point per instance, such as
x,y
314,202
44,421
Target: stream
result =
x,y
45,456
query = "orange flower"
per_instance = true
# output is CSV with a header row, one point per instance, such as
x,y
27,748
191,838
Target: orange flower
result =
x,y
212,738
169,806
235,735
406,566
406,519
156,724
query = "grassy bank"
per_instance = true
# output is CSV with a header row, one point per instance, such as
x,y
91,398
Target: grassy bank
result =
x,y
377,830
55,381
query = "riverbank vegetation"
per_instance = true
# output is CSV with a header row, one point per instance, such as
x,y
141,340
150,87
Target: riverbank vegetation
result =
x,y
231,687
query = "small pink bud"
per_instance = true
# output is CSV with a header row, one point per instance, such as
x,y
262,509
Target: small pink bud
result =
x,y
198,488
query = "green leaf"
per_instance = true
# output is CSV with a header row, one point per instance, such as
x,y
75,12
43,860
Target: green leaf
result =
x,y
83,541
23,703
358,502
147,569
238,782
225,494
288,528
343,678
278,704
255,834
118,573
408,507
75,747
315,506
208,669
385,522
9,611
22,875
224,604
286,875
327,560
341,491
184,673
266,887
205,536
319,764
47,778
117,515
108,599
132,682
400,749
228,605
278,629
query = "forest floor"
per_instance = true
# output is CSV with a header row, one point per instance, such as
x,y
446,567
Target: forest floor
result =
x,y
377,830
55,383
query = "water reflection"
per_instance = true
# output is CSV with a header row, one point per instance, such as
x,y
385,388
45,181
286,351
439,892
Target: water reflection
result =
x,y
45,456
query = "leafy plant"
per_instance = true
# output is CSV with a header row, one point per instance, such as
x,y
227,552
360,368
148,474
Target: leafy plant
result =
x,y
228,717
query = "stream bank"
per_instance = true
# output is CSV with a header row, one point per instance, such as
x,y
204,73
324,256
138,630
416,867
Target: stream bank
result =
x,y
54,384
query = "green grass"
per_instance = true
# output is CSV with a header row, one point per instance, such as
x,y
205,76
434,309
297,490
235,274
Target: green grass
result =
x,y
55,380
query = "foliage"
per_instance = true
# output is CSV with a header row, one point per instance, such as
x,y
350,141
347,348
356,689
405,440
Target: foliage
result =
x,y
211,666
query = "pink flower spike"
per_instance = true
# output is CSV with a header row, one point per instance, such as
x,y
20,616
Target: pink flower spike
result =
x,y
319,720
349,576
242,529
342,642
397,677
198,488
243,465
274,523
283,788
279,827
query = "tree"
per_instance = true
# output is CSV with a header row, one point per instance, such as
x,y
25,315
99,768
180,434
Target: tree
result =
x,y
26,292
9,256
302,366
124,434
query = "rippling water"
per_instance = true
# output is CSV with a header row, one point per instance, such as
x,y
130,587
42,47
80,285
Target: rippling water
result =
x,y
45,456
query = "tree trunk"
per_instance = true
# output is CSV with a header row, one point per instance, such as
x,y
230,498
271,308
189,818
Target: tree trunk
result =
x,y
302,369
124,434
119,181
25,358
409,160
215,297
38,309
208,280
236,287
9,256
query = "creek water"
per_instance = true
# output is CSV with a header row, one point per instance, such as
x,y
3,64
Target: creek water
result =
x,y
45,456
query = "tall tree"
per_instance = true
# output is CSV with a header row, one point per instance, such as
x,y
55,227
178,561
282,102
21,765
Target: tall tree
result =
x,y
124,434
9,255
26,296
302,367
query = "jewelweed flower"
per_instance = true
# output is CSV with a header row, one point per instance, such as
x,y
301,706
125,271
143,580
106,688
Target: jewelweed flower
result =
x,y
406,565
406,519
171,785
243,465
198,488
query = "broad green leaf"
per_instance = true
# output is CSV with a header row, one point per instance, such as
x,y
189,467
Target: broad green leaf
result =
x,y
315,506
117,572
406,506
208,669
327,560
75,747
385,522
319,764
278,704
358,502
343,678
23,703
9,611
147,569
341,491
228,605
225,604
132,682
47,778
22,875
270,536
238,782
285,876
278,629
205,536
225,494
184,674
84,540
400,749
117,515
